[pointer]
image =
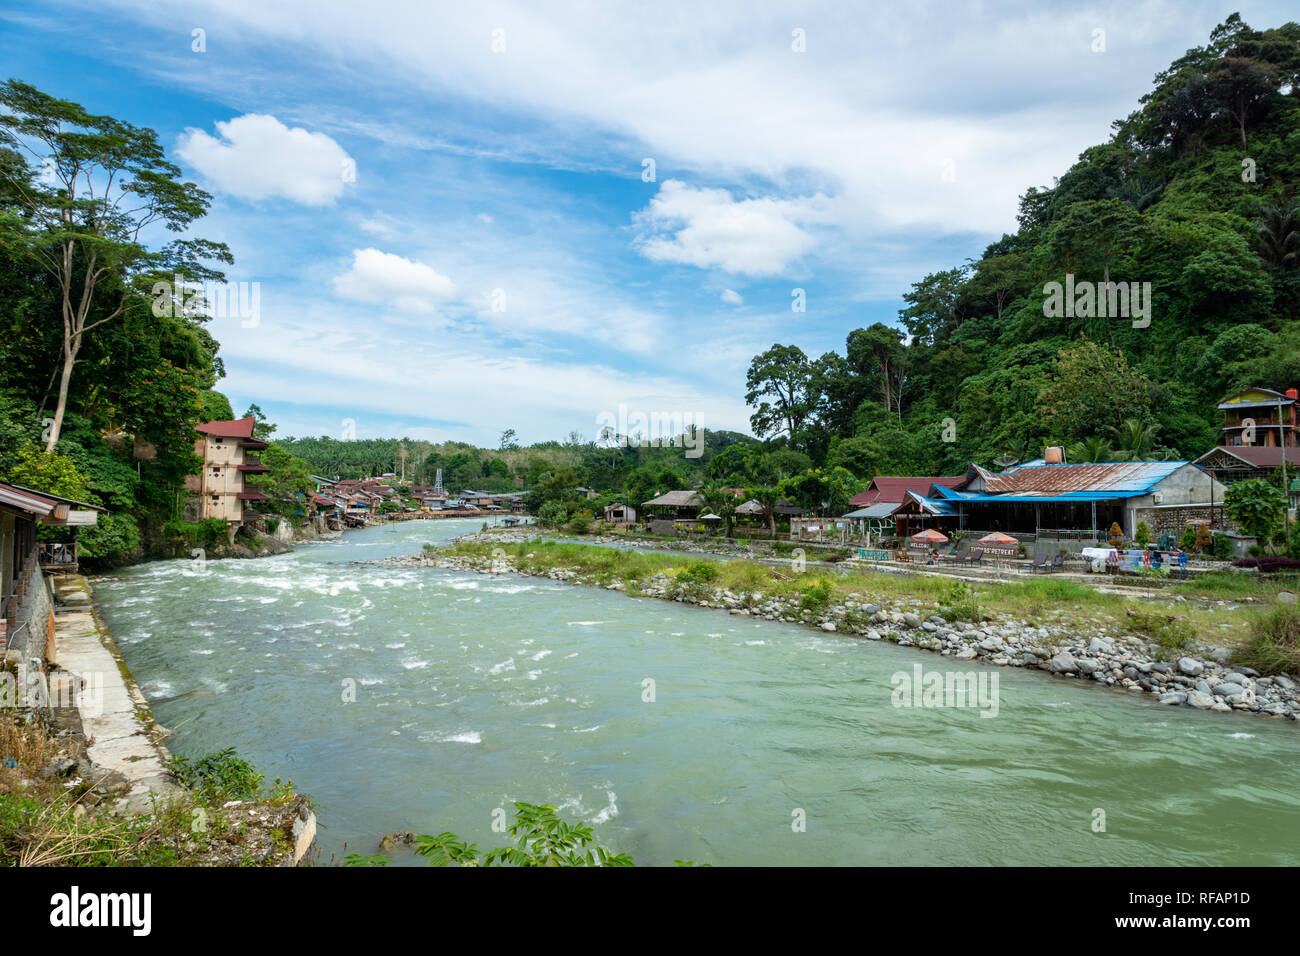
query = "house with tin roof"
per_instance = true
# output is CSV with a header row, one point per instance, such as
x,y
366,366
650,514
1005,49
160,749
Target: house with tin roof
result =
x,y
1261,435
1074,505
26,609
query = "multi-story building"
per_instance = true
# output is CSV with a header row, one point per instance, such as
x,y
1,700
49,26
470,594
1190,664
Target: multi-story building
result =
x,y
1261,433
1261,416
218,490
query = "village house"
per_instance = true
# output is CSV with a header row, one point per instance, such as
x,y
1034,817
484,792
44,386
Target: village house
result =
x,y
752,512
619,513
1261,416
218,490
1069,506
1261,431
663,512
874,508
26,608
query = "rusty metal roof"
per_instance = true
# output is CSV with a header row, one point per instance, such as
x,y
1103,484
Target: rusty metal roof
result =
x,y
24,500
1112,479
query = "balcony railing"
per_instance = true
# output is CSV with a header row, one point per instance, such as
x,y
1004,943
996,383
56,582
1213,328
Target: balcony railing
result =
x,y
57,554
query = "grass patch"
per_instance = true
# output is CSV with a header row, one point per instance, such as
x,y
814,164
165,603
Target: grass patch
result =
x,y
1168,631
45,822
1273,642
1033,600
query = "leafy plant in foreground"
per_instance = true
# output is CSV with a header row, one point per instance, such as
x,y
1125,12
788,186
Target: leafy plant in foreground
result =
x,y
541,839
221,775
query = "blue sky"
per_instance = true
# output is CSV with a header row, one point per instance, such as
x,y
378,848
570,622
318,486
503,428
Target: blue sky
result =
x,y
499,259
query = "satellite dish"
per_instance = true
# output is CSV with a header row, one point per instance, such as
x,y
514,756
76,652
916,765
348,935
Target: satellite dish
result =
x,y
1006,461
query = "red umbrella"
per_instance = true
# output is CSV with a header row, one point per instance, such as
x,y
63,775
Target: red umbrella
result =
x,y
998,538
930,536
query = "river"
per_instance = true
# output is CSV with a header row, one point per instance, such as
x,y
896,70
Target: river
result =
x,y
765,743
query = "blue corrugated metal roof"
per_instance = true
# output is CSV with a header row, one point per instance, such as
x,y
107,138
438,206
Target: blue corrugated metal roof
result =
x,y
1065,484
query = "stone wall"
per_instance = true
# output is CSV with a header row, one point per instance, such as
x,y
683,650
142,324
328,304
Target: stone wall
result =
x,y
1174,519
31,627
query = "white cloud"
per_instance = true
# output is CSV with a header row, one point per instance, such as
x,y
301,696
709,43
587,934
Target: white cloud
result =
x,y
255,156
710,229
382,277
380,224
731,297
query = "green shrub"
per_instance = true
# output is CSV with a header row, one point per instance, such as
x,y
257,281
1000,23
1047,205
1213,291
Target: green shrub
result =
x,y
207,531
553,514
957,603
580,523
220,775
702,572
1188,541
1222,547
815,595
1142,537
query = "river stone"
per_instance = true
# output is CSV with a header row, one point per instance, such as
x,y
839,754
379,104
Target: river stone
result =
x,y
1174,697
1229,690
1234,677
1203,687
1199,701
965,654
872,635
1284,682
1219,655
1099,646
1063,663
1087,665
828,626
994,643
911,620
1190,666
1248,672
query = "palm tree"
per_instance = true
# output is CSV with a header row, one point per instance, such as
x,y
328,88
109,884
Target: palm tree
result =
x,y
1133,440
1093,448
721,501
768,498
1279,235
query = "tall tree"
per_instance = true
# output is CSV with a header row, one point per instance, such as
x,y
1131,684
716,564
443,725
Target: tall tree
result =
x,y
780,385
97,185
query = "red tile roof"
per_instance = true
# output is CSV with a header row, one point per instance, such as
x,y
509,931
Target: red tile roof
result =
x,y
893,488
239,428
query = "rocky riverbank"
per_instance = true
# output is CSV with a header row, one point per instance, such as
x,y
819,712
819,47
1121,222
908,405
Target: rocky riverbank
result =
x,y
1085,648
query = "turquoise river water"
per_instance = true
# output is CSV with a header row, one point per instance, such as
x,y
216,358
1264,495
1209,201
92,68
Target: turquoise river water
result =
x,y
472,691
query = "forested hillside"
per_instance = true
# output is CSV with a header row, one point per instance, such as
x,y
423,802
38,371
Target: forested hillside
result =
x,y
1194,193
